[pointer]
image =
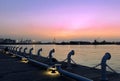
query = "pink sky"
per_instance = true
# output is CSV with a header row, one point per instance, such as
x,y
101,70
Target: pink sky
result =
x,y
64,20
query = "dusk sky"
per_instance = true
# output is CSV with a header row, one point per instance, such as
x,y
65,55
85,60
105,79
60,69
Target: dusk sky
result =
x,y
63,19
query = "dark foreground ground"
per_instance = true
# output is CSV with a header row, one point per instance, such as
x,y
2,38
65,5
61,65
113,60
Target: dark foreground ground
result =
x,y
12,69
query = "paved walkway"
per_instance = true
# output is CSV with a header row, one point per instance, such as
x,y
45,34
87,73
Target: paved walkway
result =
x,y
12,69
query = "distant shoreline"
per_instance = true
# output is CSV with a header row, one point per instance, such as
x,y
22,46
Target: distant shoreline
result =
x,y
54,44
30,42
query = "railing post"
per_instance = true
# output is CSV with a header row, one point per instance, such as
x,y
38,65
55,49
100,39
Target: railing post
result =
x,y
71,75
20,49
39,52
13,49
69,59
30,51
50,55
106,57
17,48
25,50
103,65
10,48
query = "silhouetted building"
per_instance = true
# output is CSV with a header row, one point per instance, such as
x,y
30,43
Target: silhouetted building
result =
x,y
80,42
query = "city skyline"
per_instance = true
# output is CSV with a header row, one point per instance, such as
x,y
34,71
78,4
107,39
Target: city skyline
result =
x,y
64,20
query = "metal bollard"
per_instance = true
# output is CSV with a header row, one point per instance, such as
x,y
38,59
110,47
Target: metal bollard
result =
x,y
38,53
106,57
30,51
103,65
13,49
50,55
69,58
20,49
17,48
25,50
10,48
71,75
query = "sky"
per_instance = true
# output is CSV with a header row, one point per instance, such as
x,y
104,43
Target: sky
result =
x,y
63,20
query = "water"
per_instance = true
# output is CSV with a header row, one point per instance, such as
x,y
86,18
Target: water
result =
x,y
88,55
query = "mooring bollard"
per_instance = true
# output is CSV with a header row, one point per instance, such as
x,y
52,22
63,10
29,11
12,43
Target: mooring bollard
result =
x,y
14,48
17,49
51,56
20,49
30,51
71,75
69,59
39,52
25,50
10,48
106,57
103,65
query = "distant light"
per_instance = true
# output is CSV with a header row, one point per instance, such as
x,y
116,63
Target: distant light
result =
x,y
33,41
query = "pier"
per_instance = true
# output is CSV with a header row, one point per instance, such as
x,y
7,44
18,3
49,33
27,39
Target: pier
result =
x,y
17,66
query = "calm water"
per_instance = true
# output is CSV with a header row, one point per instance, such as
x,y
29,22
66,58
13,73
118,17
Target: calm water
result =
x,y
88,55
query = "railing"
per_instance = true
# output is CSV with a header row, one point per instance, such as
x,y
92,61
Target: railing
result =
x,y
71,75
40,64
107,56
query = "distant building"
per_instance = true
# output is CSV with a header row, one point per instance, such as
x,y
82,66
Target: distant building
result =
x,y
9,41
80,42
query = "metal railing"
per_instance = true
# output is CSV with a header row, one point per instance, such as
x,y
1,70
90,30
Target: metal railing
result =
x,y
71,75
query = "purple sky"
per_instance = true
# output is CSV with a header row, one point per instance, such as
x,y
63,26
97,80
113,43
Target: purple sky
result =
x,y
63,19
